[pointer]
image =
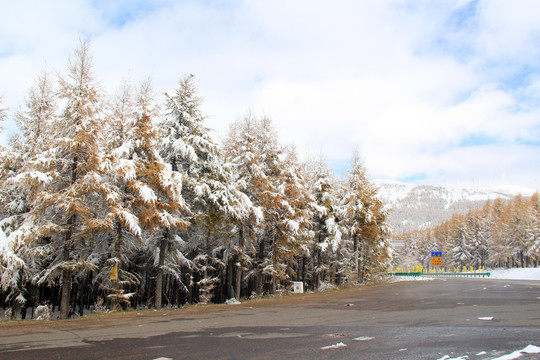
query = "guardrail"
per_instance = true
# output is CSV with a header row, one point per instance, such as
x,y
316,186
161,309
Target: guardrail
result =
x,y
467,274
460,274
405,274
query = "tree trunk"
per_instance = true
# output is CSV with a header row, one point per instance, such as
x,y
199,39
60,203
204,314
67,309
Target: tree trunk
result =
x,y
66,280
239,267
304,258
117,249
159,276
356,259
260,275
67,274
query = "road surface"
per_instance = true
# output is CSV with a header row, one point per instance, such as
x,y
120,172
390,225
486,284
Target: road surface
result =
x,y
447,318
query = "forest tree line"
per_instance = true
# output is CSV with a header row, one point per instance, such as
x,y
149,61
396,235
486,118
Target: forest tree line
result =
x,y
501,234
95,184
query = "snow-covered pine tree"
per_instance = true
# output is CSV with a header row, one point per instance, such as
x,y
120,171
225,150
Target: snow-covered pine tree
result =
x,y
293,219
21,175
460,242
273,202
254,151
477,235
120,244
157,193
240,148
214,201
326,238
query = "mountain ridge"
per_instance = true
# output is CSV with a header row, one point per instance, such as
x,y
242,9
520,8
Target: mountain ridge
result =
x,y
416,207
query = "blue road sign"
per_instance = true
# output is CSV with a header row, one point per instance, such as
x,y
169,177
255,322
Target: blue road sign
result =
x,y
436,254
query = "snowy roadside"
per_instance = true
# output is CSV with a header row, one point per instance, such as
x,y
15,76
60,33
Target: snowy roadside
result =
x,y
516,274
508,274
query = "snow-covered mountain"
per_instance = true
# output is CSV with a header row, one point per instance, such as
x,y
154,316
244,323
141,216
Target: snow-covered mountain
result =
x,y
422,206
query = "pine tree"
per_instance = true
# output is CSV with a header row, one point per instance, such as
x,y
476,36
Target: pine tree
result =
x,y
207,180
123,240
477,238
327,239
254,151
459,241
21,177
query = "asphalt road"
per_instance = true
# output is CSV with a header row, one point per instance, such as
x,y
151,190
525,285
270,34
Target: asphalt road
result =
x,y
437,319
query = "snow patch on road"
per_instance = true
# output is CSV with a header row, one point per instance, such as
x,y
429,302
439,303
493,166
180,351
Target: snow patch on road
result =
x,y
531,349
486,318
335,346
364,338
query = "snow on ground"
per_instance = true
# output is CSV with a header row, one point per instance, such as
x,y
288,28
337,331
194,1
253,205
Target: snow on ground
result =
x,y
531,349
335,346
516,274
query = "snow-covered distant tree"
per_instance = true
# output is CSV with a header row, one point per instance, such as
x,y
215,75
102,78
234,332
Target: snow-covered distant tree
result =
x,y
520,226
461,255
533,240
2,118
477,236
37,123
500,249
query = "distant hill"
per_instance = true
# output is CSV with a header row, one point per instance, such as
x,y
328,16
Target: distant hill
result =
x,y
417,207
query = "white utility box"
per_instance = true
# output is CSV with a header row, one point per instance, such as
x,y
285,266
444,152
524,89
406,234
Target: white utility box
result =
x,y
298,287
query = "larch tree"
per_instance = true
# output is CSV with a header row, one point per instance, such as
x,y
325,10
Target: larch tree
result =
x,y
293,220
365,217
157,191
64,207
500,249
272,244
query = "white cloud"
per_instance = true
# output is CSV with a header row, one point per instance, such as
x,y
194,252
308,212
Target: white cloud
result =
x,y
420,88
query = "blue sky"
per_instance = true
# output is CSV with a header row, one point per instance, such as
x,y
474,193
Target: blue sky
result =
x,y
438,92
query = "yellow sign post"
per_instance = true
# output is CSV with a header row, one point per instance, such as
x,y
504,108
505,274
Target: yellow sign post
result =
x,y
114,273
